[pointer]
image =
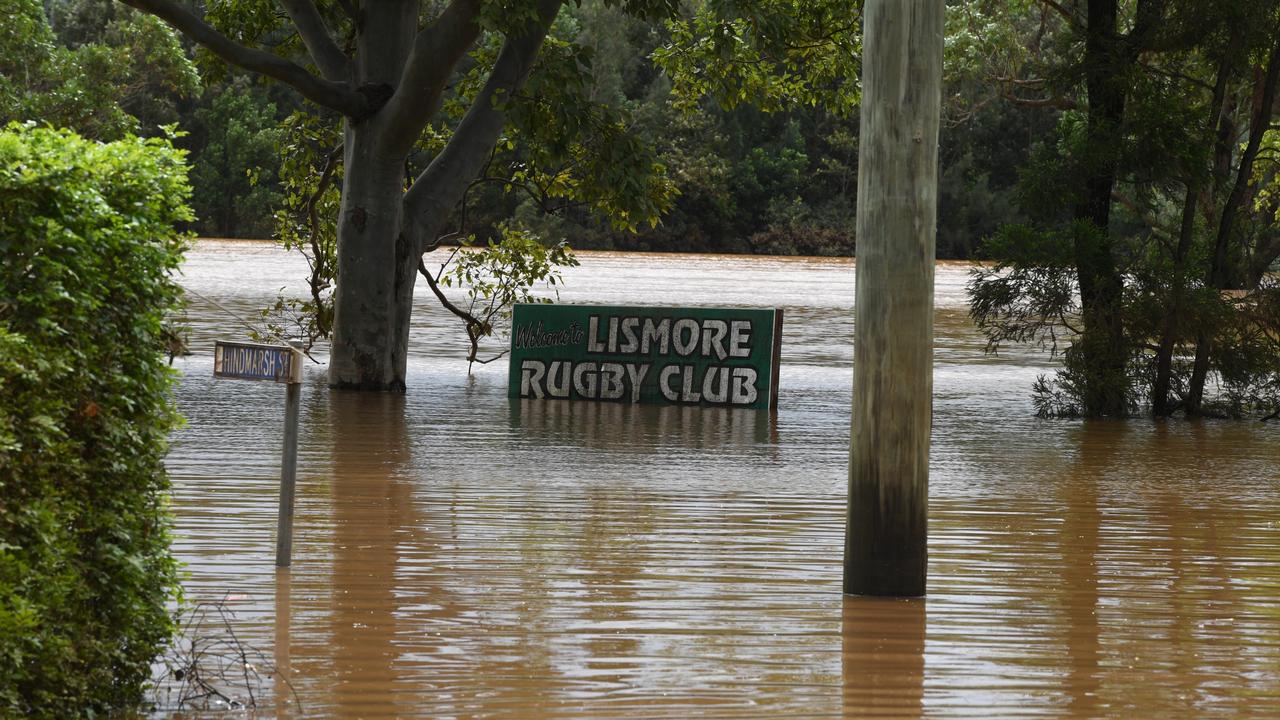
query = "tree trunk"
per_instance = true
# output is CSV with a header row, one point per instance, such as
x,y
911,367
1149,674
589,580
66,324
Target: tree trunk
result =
x,y
1103,348
885,542
1160,402
1219,273
1264,256
1161,405
370,303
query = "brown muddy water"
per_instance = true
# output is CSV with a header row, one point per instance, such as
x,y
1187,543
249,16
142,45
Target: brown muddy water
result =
x,y
460,555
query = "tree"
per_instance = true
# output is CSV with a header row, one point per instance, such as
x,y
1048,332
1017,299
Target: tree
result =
x,y
387,91
235,139
432,87
121,79
1138,208
87,231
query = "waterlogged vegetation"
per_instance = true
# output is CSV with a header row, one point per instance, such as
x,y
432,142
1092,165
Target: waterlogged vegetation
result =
x,y
1150,218
1113,162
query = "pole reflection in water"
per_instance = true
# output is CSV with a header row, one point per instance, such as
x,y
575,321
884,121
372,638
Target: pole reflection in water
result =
x,y
284,698
883,657
459,554
1078,495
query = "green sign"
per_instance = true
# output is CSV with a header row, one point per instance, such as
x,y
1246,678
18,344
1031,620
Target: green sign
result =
x,y
685,356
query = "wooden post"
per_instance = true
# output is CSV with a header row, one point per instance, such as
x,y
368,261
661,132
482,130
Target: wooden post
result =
x,y
288,476
885,539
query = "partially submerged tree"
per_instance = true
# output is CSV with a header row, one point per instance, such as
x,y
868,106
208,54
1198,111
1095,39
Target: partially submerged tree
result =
x,y
1142,208
430,92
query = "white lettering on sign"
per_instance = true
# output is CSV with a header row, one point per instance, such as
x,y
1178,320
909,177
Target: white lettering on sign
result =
x,y
717,384
720,339
634,355
255,362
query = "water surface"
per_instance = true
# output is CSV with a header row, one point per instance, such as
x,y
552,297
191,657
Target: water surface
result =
x,y
459,554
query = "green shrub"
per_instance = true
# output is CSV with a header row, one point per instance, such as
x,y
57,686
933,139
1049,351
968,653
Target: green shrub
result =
x,y
89,246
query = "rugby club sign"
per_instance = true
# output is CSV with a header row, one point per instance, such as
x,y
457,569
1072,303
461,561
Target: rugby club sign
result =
x,y
685,356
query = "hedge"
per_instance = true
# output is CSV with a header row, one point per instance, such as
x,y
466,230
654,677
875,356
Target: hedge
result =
x,y
87,233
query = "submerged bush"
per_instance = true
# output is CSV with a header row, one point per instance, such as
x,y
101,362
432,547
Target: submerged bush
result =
x,y
89,246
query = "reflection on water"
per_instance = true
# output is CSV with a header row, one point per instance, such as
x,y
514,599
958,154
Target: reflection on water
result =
x,y
458,554
883,657
625,428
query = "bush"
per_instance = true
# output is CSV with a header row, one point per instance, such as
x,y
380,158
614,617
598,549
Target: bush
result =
x,y
89,246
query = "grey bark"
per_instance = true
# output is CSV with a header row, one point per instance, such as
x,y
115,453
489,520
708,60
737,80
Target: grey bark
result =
x,y
387,93
377,263
893,346
329,58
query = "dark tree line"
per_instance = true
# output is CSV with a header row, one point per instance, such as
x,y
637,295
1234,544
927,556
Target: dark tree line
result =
x,y
780,182
1114,158
1150,219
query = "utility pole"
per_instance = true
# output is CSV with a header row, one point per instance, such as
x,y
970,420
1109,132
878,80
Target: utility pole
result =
x,y
885,540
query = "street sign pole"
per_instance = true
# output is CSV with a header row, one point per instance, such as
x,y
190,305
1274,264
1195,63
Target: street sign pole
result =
x,y
288,476
282,364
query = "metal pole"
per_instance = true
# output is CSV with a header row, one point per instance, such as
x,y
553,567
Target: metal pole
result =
x,y
288,475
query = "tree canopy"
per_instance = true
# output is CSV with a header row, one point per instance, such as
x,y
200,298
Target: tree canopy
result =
x,y
435,98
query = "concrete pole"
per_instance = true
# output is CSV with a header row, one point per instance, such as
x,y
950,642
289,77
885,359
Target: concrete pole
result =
x,y
885,539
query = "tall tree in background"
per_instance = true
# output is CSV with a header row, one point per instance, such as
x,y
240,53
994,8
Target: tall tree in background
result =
x,y
385,67
394,69
235,138
1108,64
122,77
1144,206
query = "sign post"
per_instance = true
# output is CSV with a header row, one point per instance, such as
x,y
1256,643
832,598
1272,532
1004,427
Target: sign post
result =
x,y
725,357
282,364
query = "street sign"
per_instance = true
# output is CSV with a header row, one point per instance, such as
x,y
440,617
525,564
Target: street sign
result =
x,y
682,356
249,361
282,364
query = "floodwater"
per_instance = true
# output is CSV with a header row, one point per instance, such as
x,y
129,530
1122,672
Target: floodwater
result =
x,y
458,554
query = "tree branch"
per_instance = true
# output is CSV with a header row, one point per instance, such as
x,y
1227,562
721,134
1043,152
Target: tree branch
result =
x,y
333,63
476,328
436,51
1147,21
440,185
1067,15
334,95
351,10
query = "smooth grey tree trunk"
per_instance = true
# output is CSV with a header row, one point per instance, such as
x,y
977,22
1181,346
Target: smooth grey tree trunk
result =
x,y
893,343
387,91
366,312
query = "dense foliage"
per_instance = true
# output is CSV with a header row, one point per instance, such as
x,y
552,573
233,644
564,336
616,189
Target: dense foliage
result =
x,y
89,246
104,73
1149,217
741,179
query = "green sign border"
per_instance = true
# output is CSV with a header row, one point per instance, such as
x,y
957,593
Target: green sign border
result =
x,y
723,357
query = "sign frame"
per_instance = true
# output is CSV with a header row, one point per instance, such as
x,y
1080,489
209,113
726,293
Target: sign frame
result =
x,y
278,363
690,356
